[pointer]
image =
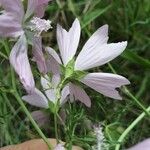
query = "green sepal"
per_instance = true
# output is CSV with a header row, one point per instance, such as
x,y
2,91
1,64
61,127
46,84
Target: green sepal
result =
x,y
62,69
77,75
69,69
51,106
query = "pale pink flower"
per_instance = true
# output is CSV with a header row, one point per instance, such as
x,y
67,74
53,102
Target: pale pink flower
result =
x,y
144,145
38,99
95,52
13,19
15,22
59,147
20,62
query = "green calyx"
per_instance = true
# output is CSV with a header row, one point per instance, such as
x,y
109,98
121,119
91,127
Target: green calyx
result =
x,y
70,74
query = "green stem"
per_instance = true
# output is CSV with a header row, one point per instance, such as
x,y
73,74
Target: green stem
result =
x,y
128,93
31,119
58,94
132,125
16,95
55,124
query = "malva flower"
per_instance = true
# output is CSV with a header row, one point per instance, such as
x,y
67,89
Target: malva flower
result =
x,y
16,23
96,52
50,85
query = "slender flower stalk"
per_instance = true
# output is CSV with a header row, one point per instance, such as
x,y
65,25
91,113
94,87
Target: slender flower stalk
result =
x,y
130,127
16,95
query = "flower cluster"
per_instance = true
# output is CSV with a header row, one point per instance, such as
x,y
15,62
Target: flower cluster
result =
x,y
63,74
70,72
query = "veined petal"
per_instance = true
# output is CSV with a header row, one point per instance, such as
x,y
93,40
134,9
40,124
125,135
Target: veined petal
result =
x,y
51,95
36,98
38,54
53,61
9,26
99,55
55,80
105,83
36,7
40,117
40,9
19,61
68,41
45,82
53,53
64,93
14,7
79,94
99,38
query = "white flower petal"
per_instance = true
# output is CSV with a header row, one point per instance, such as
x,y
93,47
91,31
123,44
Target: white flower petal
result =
x,y
19,61
45,82
55,80
59,147
144,145
38,54
99,55
64,93
50,86
53,53
36,99
105,83
53,61
9,26
14,7
47,87
51,95
99,38
68,41
80,94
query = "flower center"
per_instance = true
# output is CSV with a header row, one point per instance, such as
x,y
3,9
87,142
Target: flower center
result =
x,y
39,25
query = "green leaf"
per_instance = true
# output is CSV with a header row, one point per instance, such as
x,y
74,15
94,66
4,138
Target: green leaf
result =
x,y
136,59
90,16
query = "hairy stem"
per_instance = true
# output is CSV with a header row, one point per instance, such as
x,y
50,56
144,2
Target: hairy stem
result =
x,y
55,124
19,100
